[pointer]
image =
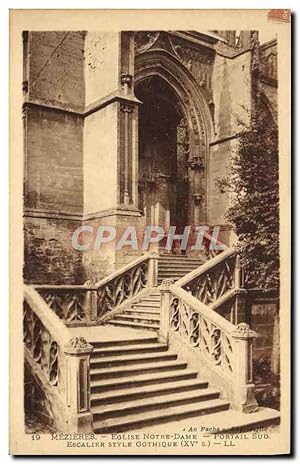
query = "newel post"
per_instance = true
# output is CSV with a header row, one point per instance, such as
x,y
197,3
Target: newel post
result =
x,y
77,367
165,310
240,298
153,270
243,386
91,304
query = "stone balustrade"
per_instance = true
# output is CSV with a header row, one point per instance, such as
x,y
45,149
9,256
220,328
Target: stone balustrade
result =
x,y
59,362
189,312
90,304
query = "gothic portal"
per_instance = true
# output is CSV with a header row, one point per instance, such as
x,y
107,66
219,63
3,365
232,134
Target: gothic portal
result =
x,y
130,128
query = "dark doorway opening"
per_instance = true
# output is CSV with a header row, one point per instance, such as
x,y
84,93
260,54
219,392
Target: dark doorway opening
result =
x,y
163,153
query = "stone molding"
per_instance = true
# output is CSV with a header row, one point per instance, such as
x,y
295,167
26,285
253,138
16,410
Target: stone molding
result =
x,y
78,345
113,97
120,211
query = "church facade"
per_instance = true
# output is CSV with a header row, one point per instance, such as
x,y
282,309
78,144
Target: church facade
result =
x,y
131,129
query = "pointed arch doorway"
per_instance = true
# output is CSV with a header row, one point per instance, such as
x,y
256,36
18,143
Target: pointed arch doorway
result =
x,y
163,155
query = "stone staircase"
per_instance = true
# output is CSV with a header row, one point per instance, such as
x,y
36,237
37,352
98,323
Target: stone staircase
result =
x,y
138,382
129,378
176,266
145,314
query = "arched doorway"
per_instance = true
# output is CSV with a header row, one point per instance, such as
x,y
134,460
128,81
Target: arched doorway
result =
x,y
163,155
175,113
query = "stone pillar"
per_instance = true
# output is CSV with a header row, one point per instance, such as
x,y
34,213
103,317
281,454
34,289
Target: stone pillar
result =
x,y
77,378
243,386
241,294
275,360
165,310
110,145
153,270
110,134
196,164
91,304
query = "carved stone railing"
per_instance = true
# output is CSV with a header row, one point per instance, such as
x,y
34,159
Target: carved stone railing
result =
x,y
91,304
125,284
59,363
218,283
211,247
224,347
71,303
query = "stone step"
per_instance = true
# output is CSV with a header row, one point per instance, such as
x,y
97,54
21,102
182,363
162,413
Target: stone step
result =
x,y
139,369
148,391
136,317
161,279
161,416
180,257
149,299
150,304
178,266
170,273
152,404
141,380
137,340
142,310
134,349
137,325
131,359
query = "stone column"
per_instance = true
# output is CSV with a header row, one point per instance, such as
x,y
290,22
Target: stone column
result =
x,y
77,378
91,304
243,386
196,164
165,310
241,294
153,270
110,144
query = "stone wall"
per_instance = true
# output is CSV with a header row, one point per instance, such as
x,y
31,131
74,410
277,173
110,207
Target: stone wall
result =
x,y
81,125
56,71
101,160
53,161
268,76
49,256
264,319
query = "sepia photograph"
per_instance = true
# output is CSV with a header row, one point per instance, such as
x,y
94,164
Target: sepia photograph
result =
x,y
151,265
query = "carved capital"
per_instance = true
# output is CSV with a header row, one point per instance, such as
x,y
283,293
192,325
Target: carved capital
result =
x,y
166,284
126,79
78,345
25,86
243,330
196,162
197,197
127,108
24,112
154,255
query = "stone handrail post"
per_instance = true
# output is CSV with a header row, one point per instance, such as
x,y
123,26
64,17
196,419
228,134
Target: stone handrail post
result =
x,y
237,273
91,304
153,270
77,366
165,310
243,397
240,299
69,395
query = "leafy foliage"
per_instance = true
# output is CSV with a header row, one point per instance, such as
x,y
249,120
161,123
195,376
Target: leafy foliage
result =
x,y
254,199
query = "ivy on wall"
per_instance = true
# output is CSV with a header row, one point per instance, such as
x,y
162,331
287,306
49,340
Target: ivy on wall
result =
x,y
253,185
